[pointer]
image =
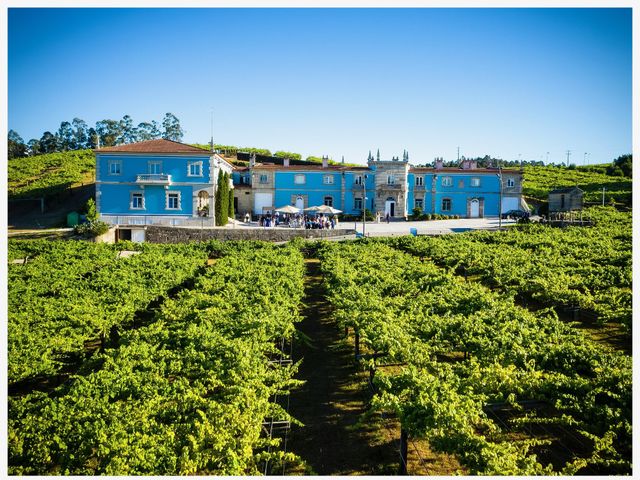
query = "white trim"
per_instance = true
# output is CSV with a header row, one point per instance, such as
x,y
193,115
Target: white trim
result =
x,y
173,192
299,175
324,200
154,162
136,192
476,180
415,203
391,179
511,183
448,182
421,182
328,179
197,163
115,162
442,204
358,179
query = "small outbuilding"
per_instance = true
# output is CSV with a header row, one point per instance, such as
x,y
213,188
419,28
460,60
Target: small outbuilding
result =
x,y
566,199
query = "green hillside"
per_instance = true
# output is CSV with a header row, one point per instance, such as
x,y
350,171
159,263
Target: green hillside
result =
x,y
538,181
50,174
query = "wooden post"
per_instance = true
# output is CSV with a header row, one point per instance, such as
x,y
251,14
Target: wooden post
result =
x,y
403,452
357,344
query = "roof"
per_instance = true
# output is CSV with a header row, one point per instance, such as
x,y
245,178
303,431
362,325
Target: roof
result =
x,y
338,168
154,146
461,170
566,190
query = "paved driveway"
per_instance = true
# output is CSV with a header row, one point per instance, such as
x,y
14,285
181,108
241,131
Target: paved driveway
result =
x,y
430,227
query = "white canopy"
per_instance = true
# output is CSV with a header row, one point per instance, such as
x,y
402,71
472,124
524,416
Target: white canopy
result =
x,y
288,209
326,209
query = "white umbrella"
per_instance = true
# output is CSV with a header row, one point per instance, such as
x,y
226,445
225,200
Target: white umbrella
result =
x,y
288,209
311,209
327,209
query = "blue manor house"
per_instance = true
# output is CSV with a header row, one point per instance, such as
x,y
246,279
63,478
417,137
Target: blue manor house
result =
x,y
160,181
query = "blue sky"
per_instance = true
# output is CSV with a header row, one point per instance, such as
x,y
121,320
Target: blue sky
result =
x,y
503,82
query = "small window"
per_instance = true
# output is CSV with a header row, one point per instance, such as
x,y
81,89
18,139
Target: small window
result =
x,y
358,180
419,203
299,179
328,201
173,201
511,182
391,179
419,181
357,204
327,179
264,179
446,204
195,169
447,181
137,201
475,181
155,168
115,167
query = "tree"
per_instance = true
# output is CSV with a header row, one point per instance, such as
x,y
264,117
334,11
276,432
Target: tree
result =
x,y
290,155
34,147
109,132
231,213
66,137
80,133
621,164
222,202
92,138
172,129
15,145
128,133
48,143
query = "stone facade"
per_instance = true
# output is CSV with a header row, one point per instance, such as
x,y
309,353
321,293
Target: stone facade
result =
x,y
391,189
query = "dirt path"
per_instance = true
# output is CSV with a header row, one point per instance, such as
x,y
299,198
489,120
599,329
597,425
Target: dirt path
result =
x,y
333,399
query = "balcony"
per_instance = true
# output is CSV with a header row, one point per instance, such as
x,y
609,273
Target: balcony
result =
x,y
153,179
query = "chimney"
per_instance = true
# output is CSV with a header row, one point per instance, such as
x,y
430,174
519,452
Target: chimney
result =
x,y
439,163
325,161
473,164
252,160
286,162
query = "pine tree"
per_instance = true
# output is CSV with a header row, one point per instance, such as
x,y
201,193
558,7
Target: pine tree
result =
x,y
232,213
222,201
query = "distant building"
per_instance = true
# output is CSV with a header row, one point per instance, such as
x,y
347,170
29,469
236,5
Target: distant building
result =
x,y
566,199
157,181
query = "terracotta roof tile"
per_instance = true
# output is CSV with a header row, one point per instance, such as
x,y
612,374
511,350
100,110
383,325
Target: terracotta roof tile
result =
x,y
154,146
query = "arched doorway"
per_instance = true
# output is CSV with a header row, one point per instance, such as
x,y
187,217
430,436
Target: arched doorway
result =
x,y
390,207
474,208
300,203
203,203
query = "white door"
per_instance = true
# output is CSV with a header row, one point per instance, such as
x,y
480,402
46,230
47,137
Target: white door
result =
x,y
137,235
262,201
509,203
475,208
389,208
300,203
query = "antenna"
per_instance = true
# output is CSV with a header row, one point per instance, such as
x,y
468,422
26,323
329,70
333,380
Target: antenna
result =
x,y
212,148
458,153
568,155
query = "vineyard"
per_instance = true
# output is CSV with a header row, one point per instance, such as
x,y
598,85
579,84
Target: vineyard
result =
x,y
186,391
50,174
142,359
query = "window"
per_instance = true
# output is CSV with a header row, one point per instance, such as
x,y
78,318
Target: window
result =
x,y
357,204
561,201
173,200
358,180
419,203
447,181
511,182
136,201
391,179
475,181
419,181
155,168
115,167
194,169
328,201
299,179
446,204
264,179
327,179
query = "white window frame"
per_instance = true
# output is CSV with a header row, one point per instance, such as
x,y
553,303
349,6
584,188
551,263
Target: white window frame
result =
x,y
511,183
357,180
132,194
299,179
327,179
153,163
264,178
113,163
324,200
447,181
194,164
419,181
168,194
415,203
355,200
475,181
391,179
450,205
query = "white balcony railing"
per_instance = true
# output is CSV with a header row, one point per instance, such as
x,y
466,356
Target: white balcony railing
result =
x,y
168,220
153,179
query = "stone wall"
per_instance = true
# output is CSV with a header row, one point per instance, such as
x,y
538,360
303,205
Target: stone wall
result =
x,y
158,234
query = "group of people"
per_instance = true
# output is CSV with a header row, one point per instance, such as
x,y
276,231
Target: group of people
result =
x,y
320,222
297,220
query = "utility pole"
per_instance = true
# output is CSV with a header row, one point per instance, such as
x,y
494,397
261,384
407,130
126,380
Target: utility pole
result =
x,y
568,155
458,154
584,162
547,162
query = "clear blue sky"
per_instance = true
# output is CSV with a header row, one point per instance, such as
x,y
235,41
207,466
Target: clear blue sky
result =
x,y
338,82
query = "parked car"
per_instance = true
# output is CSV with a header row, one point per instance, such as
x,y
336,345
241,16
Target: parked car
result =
x,y
515,214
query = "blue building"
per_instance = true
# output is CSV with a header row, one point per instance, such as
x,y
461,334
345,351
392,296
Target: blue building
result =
x,y
391,187
157,181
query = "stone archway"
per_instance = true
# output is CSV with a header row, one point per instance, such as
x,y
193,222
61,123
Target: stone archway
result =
x,y
203,203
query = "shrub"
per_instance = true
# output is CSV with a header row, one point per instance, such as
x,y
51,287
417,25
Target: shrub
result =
x,y
91,229
92,212
416,214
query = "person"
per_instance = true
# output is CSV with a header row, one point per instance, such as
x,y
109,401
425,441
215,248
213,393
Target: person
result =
x,y
247,217
333,223
388,217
